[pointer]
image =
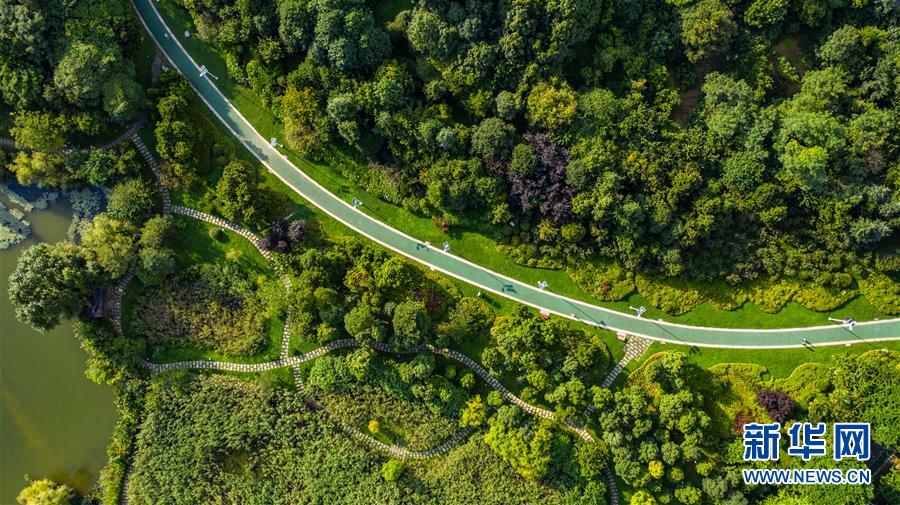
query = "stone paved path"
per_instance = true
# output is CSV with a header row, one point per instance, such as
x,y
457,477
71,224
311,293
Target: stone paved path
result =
x,y
635,347
293,361
157,171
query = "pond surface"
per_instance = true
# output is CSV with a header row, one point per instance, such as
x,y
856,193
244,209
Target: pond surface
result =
x,y
54,422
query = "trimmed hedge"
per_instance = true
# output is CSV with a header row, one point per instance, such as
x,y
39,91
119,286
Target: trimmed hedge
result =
x,y
528,255
771,296
671,296
882,292
607,281
822,299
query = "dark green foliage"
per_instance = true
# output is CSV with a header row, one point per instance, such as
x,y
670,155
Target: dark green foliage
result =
x,y
209,306
659,424
352,289
111,358
70,56
553,363
51,282
154,260
238,196
865,387
783,162
133,201
176,135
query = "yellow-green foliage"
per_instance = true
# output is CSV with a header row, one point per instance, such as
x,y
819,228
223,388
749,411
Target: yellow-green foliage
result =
x,y
671,296
736,385
606,281
805,382
528,255
636,378
722,295
771,296
822,299
882,292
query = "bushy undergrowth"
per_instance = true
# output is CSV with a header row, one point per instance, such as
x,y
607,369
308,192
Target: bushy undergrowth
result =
x,y
529,255
210,306
882,291
605,281
822,299
771,296
406,422
671,296
220,439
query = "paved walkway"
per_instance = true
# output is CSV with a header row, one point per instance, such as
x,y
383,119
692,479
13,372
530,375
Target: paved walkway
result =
x,y
635,347
293,361
460,268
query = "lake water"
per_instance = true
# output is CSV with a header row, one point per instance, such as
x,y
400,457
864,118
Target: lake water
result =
x,y
54,422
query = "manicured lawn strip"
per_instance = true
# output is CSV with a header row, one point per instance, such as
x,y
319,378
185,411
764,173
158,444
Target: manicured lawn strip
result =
x,y
471,244
779,362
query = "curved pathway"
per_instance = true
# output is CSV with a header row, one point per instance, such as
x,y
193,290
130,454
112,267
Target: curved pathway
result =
x,y
293,361
467,271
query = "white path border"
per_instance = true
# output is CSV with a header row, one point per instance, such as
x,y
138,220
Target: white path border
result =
x,y
498,275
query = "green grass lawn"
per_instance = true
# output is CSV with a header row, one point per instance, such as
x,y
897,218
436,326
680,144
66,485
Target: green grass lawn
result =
x,y
192,240
475,245
779,362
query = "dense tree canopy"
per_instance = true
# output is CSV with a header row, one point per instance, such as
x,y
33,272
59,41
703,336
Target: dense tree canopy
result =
x,y
783,159
51,282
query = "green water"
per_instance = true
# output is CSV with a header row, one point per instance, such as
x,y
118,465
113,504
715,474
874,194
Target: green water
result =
x,y
54,422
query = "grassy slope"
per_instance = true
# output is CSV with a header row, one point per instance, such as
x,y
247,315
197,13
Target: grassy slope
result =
x,y
472,244
192,241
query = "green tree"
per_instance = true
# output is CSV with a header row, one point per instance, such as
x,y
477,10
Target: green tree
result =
x,y
41,168
493,138
392,469
475,414
299,110
552,105
45,492
123,97
155,261
132,201
83,71
51,282
392,87
42,131
411,324
706,29
112,245
98,167
238,193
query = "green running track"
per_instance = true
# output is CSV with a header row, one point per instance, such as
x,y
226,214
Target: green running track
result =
x,y
435,258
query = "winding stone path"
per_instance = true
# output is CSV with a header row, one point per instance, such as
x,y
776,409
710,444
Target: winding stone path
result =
x,y
293,361
157,171
635,347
